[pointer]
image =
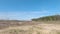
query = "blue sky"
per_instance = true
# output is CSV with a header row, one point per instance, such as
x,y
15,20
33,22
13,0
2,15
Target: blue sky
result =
x,y
28,9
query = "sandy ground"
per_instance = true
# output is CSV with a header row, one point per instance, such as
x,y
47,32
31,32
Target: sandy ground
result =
x,y
36,29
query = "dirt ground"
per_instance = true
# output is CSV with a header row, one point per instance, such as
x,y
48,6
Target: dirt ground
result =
x,y
33,29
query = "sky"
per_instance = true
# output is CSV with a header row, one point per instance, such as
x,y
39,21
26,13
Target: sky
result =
x,y
28,9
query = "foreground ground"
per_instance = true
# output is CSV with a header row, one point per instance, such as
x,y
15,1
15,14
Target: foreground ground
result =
x,y
42,28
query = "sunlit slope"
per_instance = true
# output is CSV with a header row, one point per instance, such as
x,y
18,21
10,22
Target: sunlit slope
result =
x,y
48,18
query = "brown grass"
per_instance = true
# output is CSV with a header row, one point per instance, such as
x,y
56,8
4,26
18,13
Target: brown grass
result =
x,y
30,28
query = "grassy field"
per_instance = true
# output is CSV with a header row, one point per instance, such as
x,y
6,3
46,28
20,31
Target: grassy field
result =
x,y
33,28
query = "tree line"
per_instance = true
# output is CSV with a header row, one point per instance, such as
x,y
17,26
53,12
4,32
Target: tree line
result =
x,y
48,18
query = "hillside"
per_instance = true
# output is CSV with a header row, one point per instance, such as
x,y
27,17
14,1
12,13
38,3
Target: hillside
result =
x,y
31,27
48,18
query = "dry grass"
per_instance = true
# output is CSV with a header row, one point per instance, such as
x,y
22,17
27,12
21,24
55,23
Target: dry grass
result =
x,y
30,28
33,29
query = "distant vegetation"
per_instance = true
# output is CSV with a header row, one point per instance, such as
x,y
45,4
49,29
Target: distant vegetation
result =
x,y
48,18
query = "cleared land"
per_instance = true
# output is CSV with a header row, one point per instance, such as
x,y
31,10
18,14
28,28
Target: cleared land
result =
x,y
50,27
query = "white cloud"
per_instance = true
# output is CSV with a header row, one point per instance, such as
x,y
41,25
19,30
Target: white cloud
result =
x,y
24,15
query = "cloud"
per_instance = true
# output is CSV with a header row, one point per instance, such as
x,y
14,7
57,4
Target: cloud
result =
x,y
24,15
36,12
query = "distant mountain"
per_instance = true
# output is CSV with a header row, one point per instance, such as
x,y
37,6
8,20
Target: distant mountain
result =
x,y
48,18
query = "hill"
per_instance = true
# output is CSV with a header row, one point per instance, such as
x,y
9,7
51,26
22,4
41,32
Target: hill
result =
x,y
48,18
30,27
